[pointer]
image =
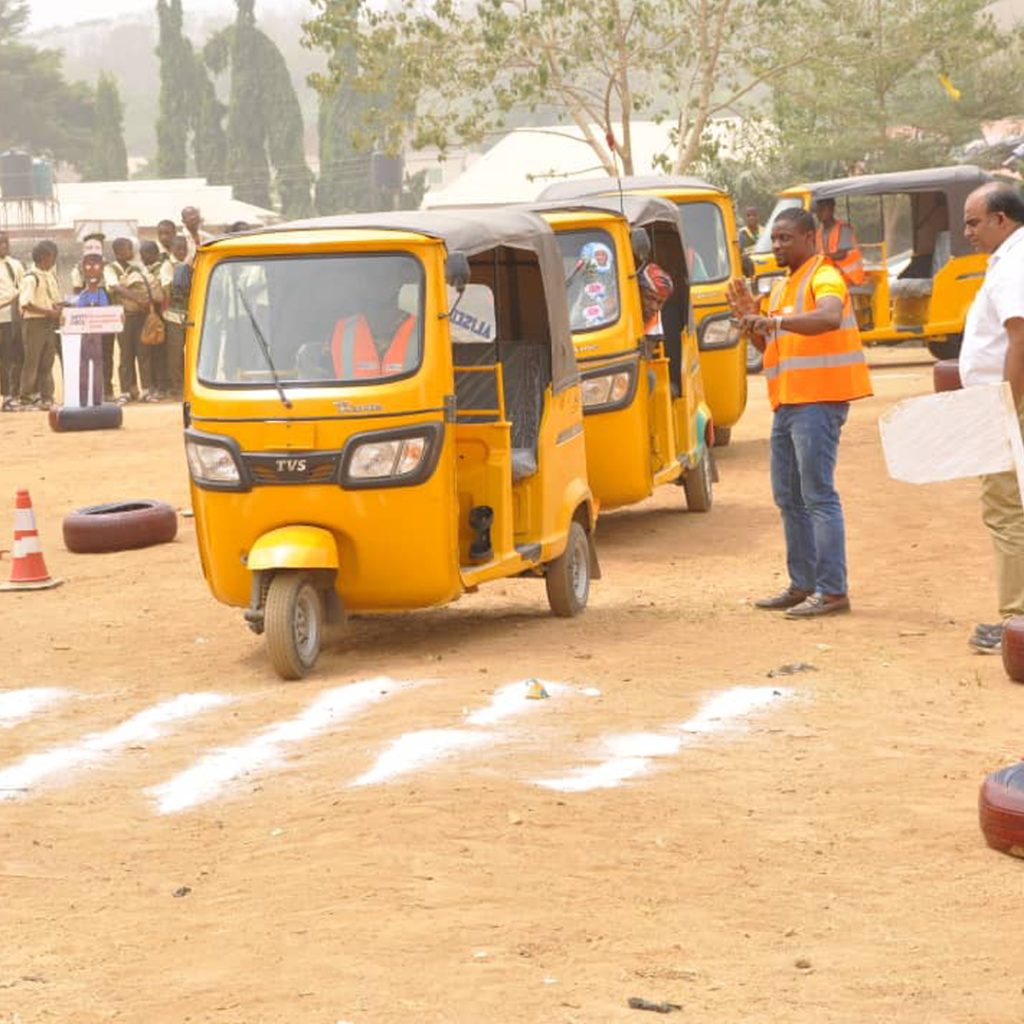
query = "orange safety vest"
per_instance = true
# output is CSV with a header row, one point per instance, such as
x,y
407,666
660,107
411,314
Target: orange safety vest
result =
x,y
851,266
356,356
804,368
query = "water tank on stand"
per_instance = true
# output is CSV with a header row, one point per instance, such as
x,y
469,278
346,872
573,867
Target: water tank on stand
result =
x,y
16,181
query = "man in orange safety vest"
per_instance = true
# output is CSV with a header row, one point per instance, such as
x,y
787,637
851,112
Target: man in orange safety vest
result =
x,y
814,366
838,241
383,340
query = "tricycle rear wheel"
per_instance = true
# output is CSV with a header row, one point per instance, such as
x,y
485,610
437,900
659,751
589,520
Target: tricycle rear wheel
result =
x,y
699,484
293,622
568,576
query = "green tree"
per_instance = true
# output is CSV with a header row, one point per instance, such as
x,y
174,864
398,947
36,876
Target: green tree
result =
x,y
177,65
189,106
108,158
209,139
455,74
42,112
345,181
264,119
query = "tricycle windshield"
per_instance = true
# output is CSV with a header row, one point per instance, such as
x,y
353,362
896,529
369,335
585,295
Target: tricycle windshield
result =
x,y
313,319
591,278
707,248
764,243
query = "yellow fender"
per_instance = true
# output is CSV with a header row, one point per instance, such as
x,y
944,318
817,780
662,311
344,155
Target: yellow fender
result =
x,y
294,547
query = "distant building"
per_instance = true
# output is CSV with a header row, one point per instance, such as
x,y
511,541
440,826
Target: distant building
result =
x,y
134,208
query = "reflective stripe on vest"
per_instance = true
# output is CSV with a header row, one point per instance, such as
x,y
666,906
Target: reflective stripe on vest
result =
x,y
841,236
803,368
355,354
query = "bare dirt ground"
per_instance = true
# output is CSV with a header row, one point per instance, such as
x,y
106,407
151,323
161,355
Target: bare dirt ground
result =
x,y
818,861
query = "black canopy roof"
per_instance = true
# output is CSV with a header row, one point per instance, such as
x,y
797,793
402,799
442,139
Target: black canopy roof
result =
x,y
960,180
639,210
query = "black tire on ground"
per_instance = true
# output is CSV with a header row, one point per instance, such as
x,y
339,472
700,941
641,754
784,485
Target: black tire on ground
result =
x,y
948,349
1001,810
699,485
120,526
946,375
66,418
293,621
723,435
568,576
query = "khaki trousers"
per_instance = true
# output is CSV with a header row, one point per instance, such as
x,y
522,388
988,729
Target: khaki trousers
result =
x,y
1003,515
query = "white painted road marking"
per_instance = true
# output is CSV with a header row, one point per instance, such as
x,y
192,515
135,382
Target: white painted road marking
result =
x,y
629,755
147,725
416,750
211,773
17,705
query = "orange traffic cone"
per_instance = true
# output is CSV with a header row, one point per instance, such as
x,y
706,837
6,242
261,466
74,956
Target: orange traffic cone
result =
x,y
28,569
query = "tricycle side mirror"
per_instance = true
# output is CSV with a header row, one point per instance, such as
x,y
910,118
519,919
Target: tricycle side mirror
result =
x,y
456,271
640,242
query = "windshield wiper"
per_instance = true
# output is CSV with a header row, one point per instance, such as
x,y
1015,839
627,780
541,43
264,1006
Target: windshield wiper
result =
x,y
264,348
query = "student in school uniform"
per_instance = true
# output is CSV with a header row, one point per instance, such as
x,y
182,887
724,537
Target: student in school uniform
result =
x,y
125,283
176,282
40,300
11,273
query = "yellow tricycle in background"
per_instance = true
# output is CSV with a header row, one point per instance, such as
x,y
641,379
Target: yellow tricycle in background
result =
x,y
713,258
383,412
922,274
645,418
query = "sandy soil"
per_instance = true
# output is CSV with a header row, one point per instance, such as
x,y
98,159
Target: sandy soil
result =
x,y
817,860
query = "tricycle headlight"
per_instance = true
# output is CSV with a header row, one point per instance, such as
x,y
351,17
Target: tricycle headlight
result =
x,y
382,460
764,284
211,464
606,389
721,332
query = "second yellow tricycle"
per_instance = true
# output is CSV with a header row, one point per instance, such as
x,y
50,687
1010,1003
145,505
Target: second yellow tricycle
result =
x,y
646,419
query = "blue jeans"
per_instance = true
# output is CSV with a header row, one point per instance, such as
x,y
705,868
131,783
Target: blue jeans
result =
x,y
804,446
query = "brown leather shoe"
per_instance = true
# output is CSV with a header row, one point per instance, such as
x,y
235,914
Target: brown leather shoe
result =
x,y
819,604
787,598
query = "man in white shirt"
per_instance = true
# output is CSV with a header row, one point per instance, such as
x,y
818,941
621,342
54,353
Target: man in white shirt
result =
x,y
993,351
11,273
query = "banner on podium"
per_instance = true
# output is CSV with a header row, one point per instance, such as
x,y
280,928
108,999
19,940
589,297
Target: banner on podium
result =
x,y
92,320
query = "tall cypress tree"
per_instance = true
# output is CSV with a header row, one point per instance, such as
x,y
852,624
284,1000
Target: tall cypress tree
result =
x,y
248,168
345,183
264,118
283,119
209,140
176,91
108,160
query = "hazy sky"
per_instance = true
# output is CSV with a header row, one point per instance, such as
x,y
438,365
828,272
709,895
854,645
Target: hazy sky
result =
x,y
46,13
54,12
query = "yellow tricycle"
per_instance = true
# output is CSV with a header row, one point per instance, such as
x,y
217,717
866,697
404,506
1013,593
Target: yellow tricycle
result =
x,y
646,421
383,412
713,258
921,273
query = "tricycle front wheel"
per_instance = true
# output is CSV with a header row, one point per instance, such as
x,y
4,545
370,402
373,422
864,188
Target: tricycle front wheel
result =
x,y
293,622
